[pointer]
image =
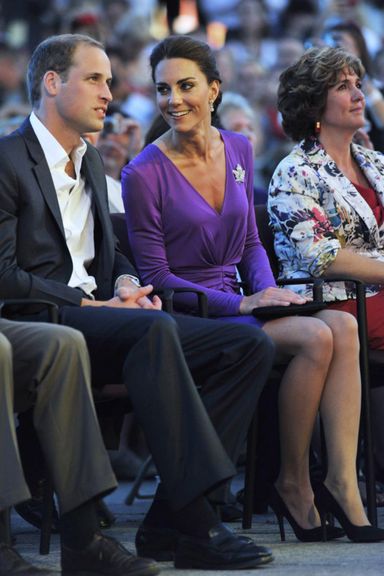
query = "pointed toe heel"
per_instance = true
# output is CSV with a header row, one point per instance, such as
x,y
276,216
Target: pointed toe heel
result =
x,y
303,534
326,502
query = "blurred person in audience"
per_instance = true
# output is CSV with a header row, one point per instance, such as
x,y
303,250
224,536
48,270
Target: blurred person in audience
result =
x,y
87,20
115,11
12,74
326,198
228,66
288,50
253,27
349,36
119,141
252,79
299,19
378,62
235,114
58,244
120,86
339,11
138,102
372,16
11,116
27,22
190,217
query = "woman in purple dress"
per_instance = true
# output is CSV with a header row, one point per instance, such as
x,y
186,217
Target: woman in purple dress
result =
x,y
188,199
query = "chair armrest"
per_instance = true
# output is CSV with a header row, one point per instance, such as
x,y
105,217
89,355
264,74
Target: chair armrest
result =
x,y
317,284
23,303
167,296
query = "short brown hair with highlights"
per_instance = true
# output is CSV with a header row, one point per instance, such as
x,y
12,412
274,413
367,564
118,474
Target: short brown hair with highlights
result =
x,y
304,86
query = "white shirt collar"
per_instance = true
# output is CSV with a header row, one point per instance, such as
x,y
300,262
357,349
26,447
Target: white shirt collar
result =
x,y
53,150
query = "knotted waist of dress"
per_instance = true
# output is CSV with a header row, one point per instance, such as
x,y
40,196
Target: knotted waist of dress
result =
x,y
218,277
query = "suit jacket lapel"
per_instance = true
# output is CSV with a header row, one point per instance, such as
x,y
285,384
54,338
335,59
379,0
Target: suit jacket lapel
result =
x,y
93,172
41,170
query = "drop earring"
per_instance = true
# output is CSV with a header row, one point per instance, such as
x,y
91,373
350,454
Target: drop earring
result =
x,y
211,106
317,127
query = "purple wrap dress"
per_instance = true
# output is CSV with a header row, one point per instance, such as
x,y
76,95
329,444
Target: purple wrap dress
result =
x,y
179,240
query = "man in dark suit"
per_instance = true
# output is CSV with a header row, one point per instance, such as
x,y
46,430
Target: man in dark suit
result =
x,y
57,243
47,366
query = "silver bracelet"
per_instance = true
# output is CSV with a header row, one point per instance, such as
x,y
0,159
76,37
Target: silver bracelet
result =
x,y
133,279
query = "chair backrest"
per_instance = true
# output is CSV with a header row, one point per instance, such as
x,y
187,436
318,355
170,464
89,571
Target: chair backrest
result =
x,y
266,236
120,230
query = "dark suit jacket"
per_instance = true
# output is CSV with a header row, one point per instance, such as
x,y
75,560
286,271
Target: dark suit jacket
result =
x,y
34,258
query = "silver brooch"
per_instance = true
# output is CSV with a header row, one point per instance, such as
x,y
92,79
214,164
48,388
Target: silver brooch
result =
x,y
239,173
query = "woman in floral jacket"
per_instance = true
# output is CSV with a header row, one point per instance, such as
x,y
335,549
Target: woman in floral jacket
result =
x,y
326,198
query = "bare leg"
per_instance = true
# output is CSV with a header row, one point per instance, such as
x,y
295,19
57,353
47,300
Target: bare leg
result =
x,y
310,342
340,411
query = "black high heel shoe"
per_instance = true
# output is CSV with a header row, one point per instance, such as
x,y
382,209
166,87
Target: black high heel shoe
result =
x,y
326,502
318,534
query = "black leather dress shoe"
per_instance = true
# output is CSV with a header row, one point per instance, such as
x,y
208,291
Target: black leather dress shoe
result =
x,y
105,556
32,512
230,513
161,543
12,564
221,550
157,543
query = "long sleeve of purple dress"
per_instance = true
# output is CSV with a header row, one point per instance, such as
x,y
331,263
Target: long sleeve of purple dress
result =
x,y
179,240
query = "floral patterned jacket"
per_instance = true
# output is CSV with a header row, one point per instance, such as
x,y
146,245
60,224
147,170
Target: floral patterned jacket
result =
x,y
315,210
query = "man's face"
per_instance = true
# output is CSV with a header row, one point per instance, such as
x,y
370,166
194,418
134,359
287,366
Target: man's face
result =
x,y
82,100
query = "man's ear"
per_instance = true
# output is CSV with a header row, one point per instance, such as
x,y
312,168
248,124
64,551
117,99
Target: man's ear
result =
x,y
51,82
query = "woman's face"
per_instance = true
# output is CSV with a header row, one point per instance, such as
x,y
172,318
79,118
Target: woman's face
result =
x,y
183,94
345,104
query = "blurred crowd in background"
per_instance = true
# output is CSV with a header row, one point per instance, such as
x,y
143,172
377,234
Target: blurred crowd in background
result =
x,y
254,41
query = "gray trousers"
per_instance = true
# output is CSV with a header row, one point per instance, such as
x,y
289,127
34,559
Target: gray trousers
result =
x,y
47,366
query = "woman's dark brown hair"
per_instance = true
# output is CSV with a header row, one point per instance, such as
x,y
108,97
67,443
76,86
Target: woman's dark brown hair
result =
x,y
304,86
191,49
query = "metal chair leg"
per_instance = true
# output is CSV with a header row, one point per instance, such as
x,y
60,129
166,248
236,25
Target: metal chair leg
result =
x,y
46,522
366,411
250,470
135,490
5,526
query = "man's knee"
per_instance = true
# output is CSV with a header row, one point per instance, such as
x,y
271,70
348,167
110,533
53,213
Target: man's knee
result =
x,y
67,338
61,344
163,323
5,349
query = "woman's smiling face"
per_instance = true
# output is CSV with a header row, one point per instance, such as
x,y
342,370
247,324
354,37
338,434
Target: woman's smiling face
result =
x,y
183,93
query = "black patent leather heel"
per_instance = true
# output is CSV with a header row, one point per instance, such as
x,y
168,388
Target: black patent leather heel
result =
x,y
326,502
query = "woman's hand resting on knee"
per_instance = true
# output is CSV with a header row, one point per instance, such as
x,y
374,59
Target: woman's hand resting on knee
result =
x,y
271,297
